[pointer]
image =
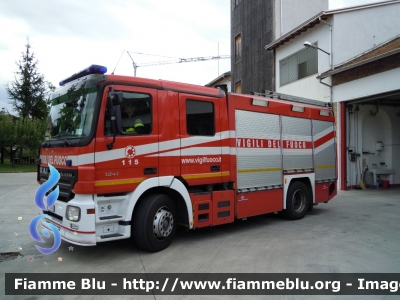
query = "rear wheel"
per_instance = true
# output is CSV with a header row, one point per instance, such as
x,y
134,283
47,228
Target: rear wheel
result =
x,y
154,223
297,201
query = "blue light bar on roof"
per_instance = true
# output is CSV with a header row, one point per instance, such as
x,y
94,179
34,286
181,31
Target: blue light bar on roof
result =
x,y
93,69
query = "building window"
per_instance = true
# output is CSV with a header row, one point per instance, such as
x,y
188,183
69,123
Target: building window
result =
x,y
238,87
238,48
299,65
200,118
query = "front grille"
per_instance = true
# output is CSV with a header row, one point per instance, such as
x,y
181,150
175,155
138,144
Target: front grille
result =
x,y
68,178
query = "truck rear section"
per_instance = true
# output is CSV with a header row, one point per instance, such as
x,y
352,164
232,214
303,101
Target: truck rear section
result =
x,y
138,157
285,156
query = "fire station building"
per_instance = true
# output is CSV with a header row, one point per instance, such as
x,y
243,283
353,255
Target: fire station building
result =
x,y
351,58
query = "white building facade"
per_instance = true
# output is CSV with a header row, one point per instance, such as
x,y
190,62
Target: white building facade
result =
x,y
357,69
223,79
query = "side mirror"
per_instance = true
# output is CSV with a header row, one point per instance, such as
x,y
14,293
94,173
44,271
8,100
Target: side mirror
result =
x,y
116,98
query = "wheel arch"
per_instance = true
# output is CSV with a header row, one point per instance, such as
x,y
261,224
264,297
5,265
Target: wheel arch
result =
x,y
169,186
307,179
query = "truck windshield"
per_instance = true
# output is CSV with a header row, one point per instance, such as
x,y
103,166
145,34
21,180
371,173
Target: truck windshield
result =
x,y
71,113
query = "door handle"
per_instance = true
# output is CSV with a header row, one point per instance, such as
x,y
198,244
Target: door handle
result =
x,y
148,171
215,168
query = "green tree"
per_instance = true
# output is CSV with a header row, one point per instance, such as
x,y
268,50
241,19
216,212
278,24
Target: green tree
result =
x,y
29,95
3,116
29,91
19,133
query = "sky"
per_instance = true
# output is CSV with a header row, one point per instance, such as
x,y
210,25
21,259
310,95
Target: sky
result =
x,y
67,36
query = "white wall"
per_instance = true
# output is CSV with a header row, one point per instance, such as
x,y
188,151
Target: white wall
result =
x,y
226,81
354,33
295,12
308,87
357,31
371,85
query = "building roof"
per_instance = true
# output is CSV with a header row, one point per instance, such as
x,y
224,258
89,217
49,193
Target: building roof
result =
x,y
315,20
219,78
385,49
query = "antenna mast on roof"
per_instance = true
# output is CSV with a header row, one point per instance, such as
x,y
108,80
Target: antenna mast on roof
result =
x,y
118,61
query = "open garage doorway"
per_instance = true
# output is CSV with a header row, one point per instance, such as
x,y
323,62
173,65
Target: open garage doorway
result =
x,y
372,141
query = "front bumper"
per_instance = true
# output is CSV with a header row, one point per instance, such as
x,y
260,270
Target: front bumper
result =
x,y
82,232
77,237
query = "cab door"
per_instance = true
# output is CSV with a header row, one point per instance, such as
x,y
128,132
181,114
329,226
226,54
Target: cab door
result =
x,y
134,155
200,137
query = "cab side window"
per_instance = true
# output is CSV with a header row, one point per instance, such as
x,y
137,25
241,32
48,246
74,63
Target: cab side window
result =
x,y
200,118
136,111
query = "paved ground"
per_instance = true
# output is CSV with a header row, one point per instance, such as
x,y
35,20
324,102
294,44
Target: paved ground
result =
x,y
357,232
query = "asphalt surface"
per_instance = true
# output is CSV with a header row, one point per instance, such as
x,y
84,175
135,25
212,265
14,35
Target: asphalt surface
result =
x,y
356,232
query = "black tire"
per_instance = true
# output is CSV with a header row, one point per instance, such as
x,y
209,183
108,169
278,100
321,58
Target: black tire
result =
x,y
154,223
297,201
310,207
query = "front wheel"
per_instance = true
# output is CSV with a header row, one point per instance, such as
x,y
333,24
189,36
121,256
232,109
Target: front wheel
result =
x,y
154,223
297,201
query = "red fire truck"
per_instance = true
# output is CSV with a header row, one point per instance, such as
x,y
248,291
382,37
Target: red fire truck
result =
x,y
138,157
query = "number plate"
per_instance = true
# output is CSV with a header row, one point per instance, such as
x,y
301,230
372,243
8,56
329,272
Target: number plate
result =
x,y
44,170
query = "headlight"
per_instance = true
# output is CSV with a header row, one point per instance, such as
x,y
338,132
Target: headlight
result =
x,y
73,213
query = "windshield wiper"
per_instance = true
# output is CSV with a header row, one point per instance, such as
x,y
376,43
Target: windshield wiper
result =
x,y
61,135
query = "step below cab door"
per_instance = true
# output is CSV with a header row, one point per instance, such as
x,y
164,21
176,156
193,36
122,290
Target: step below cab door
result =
x,y
200,137
133,157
